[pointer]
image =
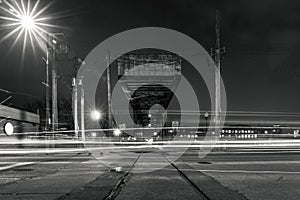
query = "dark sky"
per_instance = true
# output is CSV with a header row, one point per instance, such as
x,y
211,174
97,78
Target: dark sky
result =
x,y
262,40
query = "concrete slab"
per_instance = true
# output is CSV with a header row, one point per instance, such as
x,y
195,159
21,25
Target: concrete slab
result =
x,y
162,184
54,185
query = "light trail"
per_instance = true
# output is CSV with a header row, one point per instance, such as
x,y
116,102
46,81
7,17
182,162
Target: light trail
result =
x,y
159,147
222,112
263,122
163,128
250,171
273,162
19,164
257,142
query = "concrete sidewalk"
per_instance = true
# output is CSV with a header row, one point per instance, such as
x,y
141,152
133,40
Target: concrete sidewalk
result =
x,y
63,179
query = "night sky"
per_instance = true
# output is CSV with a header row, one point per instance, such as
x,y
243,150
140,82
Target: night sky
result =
x,y
262,38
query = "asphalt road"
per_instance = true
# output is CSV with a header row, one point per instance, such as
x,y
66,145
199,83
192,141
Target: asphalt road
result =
x,y
66,172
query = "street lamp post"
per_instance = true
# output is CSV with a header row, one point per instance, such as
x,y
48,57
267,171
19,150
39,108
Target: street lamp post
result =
x,y
48,58
54,87
51,45
75,84
52,48
75,107
29,22
47,121
108,59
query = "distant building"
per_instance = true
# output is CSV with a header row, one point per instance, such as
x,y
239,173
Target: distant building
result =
x,y
148,80
21,121
240,131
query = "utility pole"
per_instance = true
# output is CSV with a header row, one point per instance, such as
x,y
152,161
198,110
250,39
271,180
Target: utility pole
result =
x,y
75,84
217,53
206,125
47,121
54,89
58,47
82,108
108,89
75,101
217,75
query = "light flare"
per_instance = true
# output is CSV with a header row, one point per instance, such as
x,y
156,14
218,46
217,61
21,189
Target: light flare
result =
x,y
24,20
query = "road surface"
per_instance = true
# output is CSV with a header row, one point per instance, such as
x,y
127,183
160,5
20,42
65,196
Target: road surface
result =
x,y
235,173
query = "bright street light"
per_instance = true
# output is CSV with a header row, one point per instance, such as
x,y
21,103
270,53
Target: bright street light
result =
x,y
27,22
117,132
24,18
96,115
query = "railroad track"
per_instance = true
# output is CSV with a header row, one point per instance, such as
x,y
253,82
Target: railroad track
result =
x,y
205,187
124,179
202,195
201,182
127,176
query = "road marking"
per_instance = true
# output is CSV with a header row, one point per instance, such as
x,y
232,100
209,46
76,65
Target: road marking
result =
x,y
16,165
